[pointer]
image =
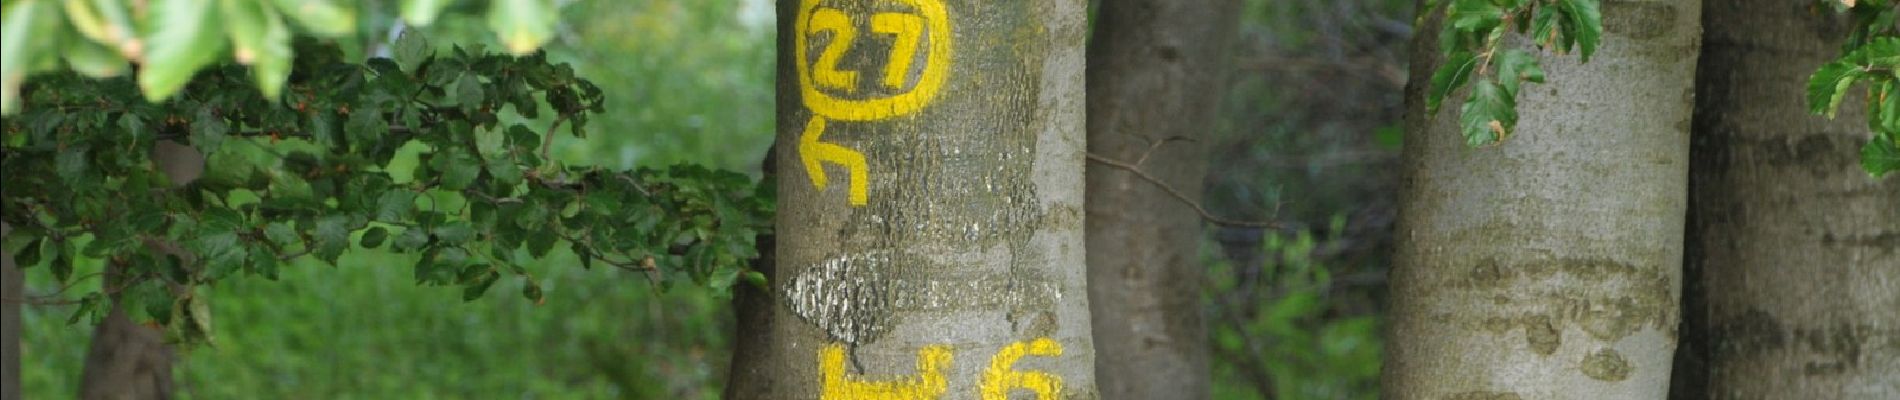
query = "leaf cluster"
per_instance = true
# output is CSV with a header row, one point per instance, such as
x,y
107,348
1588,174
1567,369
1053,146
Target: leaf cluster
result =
x,y
171,40
1870,55
315,174
1475,53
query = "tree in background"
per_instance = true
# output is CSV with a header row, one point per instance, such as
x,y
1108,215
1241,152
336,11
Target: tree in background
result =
x,y
1793,258
930,172
1545,266
1155,70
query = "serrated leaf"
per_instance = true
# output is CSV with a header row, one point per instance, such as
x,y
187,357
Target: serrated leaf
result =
x,y
365,128
28,37
1451,75
421,13
394,205
1488,115
411,50
523,25
261,39
1827,87
374,237
321,17
282,234
185,37
539,245
1585,24
331,237
1880,156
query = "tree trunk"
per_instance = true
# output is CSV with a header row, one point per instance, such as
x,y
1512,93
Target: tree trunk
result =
x,y
127,360
1548,267
1155,71
1793,252
929,240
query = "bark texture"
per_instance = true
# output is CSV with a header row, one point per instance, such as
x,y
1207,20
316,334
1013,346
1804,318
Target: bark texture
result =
x,y
1794,252
961,273
1548,267
1155,73
127,360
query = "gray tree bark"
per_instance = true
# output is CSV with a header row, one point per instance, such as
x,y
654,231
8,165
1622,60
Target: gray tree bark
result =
x,y
1794,252
127,360
1155,73
1548,267
930,226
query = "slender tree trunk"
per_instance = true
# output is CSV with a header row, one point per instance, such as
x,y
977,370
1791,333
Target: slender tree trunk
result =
x,y
1794,252
930,225
1548,267
12,293
1154,77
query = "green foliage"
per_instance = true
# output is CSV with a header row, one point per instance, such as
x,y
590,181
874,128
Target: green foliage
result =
x,y
1871,55
305,175
1475,50
1283,331
172,40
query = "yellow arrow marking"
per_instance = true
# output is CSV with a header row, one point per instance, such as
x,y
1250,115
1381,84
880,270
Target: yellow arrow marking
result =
x,y
814,153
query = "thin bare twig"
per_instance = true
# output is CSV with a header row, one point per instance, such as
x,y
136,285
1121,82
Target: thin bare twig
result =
x,y
547,140
1209,217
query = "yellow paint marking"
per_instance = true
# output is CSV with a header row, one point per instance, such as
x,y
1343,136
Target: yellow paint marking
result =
x,y
928,383
814,153
842,34
936,28
1002,376
908,28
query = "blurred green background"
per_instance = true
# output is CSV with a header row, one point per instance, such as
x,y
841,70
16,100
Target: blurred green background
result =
x,y
1307,136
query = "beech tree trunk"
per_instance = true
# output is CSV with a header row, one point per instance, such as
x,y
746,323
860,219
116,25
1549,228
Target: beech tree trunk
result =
x,y
1794,252
1156,70
127,360
1548,267
929,233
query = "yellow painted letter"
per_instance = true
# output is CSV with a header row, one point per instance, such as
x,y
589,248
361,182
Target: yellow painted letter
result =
x,y
928,384
1002,376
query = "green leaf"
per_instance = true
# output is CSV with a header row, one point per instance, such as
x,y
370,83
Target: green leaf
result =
x,y
1585,22
104,21
29,32
260,39
411,50
469,93
322,17
421,13
95,60
411,239
71,165
1479,16
29,255
531,290
185,37
374,237
394,205
365,127
755,278
454,232
1828,86
523,25
208,132
458,169
332,237
1881,155
1451,75
475,289
1515,66
282,234
63,260
1488,115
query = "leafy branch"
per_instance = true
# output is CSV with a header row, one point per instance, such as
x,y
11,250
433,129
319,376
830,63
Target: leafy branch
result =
x,y
1476,53
1871,55
323,173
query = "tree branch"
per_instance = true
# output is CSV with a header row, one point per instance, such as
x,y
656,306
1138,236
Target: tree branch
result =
x,y
1209,217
